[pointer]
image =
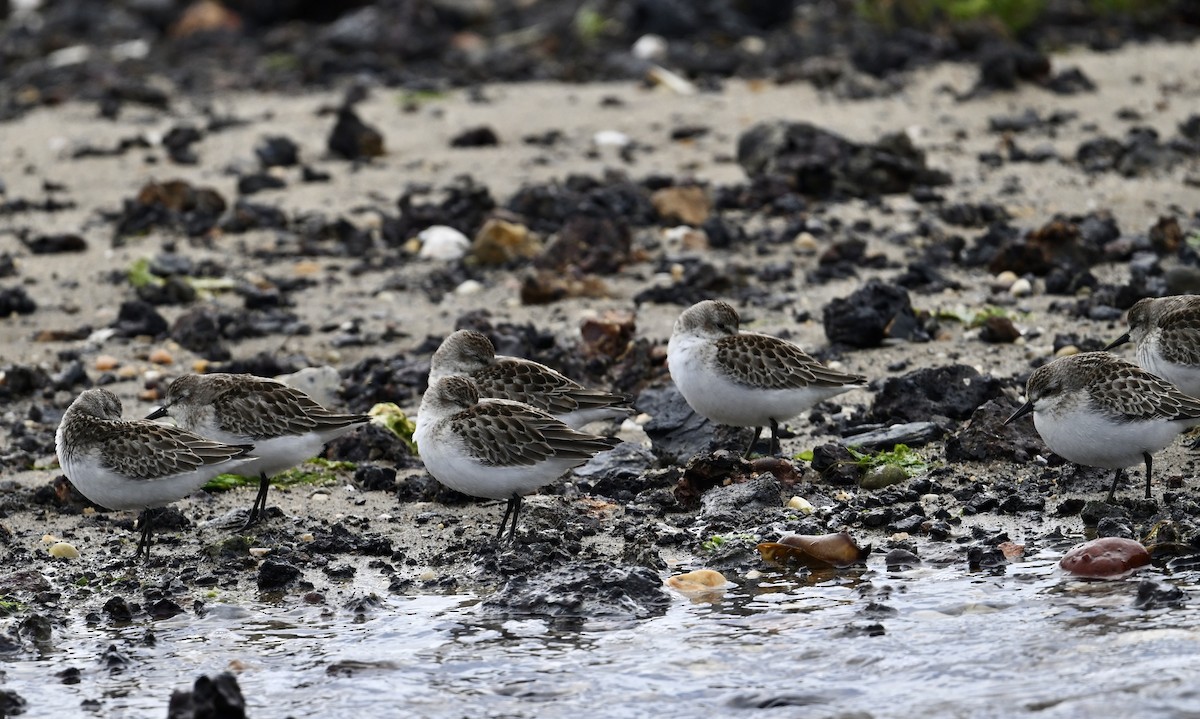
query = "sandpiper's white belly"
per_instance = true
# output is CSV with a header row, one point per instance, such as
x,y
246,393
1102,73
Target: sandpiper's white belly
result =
x,y
116,491
450,464
276,453
714,395
1185,377
1085,437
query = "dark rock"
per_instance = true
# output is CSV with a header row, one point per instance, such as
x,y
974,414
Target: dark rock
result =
x,y
247,216
11,703
353,139
464,205
727,505
1057,244
836,465
999,330
371,443
985,437
137,318
199,330
1071,81
676,432
178,142
953,392
1114,527
54,244
618,473
118,610
482,136
164,609
588,244
373,478
970,215
1158,595
15,300
276,574
1002,65
874,312
259,181
277,151
581,590
174,204
340,540
821,163
210,698
899,560
912,434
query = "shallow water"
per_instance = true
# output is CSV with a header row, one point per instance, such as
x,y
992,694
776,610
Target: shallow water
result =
x,y
1027,642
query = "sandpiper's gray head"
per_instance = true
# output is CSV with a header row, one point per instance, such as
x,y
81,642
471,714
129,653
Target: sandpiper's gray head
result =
x,y
190,389
463,351
710,318
454,391
97,402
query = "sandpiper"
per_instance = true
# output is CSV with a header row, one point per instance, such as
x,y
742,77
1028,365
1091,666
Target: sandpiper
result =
x,y
1166,332
494,448
746,379
1097,409
285,425
471,354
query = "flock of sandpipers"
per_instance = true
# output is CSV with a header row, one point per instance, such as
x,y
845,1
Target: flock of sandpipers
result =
x,y
501,427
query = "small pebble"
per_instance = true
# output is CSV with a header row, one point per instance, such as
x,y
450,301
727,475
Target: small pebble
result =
x,y
63,550
1021,288
259,551
1067,351
801,504
161,356
105,363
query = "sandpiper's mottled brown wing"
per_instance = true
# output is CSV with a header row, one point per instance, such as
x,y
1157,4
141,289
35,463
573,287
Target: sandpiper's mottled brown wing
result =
x,y
765,362
539,386
508,434
1134,393
148,450
262,409
1180,333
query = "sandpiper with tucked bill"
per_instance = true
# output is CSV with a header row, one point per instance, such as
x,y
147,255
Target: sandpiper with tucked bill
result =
x,y
285,425
136,464
1097,409
1166,333
746,379
494,448
471,354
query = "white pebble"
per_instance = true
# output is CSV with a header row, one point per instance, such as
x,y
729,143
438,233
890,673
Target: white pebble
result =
x,y
650,47
610,138
259,551
1021,288
440,242
801,504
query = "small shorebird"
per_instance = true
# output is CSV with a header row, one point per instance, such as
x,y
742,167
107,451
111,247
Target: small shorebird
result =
x,y
471,354
1166,332
494,448
136,464
285,425
746,379
1097,409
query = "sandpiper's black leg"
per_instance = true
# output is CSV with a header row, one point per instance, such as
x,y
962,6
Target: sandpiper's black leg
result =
x,y
145,521
757,434
1149,463
513,509
775,447
258,510
1113,489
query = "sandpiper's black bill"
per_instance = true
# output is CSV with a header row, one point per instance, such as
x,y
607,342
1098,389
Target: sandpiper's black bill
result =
x,y
1024,410
158,413
1117,342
